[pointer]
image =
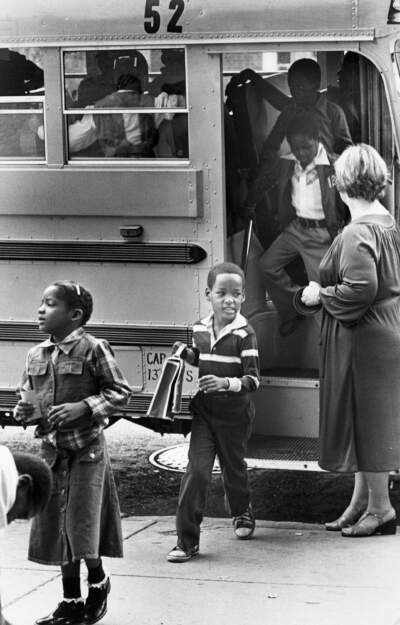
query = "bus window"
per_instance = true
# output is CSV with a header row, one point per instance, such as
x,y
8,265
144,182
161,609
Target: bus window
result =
x,y
21,105
137,101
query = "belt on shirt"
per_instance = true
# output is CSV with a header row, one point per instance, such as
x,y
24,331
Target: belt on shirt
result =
x,y
311,223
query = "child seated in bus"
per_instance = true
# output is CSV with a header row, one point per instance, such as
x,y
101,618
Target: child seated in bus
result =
x,y
78,386
309,212
225,350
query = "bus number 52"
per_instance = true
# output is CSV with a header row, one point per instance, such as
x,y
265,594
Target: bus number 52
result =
x,y
152,20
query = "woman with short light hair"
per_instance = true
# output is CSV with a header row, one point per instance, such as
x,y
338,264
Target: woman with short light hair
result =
x,y
361,173
360,359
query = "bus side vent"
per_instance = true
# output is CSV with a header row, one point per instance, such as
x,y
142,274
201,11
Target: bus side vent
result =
x,y
102,251
138,404
116,335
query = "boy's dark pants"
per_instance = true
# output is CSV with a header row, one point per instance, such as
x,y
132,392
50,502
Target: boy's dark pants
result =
x,y
214,434
311,244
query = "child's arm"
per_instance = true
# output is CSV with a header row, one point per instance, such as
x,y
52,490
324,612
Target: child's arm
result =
x,y
114,392
24,410
250,380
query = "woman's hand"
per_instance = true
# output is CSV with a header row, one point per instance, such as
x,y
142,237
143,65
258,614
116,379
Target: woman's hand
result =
x,y
311,294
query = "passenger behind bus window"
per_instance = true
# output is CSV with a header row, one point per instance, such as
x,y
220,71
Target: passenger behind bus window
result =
x,y
111,65
116,134
304,80
172,71
135,63
126,134
97,86
310,214
18,77
172,127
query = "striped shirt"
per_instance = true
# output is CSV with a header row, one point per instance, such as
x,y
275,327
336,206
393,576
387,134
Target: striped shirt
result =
x,y
232,355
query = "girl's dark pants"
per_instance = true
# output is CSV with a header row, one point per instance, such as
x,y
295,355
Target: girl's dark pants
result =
x,y
214,433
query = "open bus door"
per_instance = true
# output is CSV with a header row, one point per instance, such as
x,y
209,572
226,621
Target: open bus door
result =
x,y
287,403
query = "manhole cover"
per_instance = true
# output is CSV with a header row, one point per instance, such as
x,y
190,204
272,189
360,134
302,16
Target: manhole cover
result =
x,y
175,458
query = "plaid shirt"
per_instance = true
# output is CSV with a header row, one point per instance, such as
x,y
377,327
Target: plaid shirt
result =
x,y
79,368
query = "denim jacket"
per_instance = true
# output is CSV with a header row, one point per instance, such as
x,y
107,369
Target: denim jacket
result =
x,y
84,369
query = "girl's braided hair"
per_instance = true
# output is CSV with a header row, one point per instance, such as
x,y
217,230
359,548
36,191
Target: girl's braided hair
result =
x,y
76,296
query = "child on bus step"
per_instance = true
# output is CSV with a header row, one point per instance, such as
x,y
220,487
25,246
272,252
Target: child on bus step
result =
x,y
225,350
309,211
78,386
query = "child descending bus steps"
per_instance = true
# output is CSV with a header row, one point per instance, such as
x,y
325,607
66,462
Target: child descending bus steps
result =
x,y
78,386
309,211
225,350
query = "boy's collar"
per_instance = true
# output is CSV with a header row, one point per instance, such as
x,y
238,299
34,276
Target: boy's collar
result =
x,y
238,322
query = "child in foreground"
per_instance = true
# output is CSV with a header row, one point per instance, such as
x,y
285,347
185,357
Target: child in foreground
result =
x,y
78,385
225,350
25,487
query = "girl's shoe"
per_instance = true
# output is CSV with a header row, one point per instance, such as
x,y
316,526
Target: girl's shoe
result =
x,y
96,602
348,518
66,613
370,524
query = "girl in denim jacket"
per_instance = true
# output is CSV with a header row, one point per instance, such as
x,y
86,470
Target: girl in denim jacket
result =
x,y
77,386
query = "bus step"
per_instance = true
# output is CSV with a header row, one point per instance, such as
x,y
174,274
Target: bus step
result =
x,y
283,452
290,376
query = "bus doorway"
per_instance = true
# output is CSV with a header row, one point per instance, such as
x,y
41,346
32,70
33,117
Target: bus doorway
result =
x,y
256,93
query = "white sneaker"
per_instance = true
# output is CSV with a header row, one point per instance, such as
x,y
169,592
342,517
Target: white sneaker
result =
x,y
244,525
178,554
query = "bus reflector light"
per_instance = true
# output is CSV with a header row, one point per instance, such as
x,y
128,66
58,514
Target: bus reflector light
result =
x,y
129,233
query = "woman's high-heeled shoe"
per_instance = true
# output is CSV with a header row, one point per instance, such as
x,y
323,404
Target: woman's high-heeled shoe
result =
x,y
370,524
347,519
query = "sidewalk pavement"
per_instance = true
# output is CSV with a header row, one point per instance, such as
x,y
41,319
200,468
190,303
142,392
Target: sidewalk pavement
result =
x,y
288,574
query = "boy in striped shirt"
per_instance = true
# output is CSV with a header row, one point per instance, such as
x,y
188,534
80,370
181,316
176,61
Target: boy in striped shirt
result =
x,y
225,350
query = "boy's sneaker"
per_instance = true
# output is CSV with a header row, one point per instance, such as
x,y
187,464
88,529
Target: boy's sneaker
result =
x,y
244,524
178,554
66,613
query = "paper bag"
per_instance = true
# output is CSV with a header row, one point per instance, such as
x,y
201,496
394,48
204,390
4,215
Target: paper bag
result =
x,y
166,401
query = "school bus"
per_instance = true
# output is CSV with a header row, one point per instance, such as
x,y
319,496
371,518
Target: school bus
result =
x,y
140,225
